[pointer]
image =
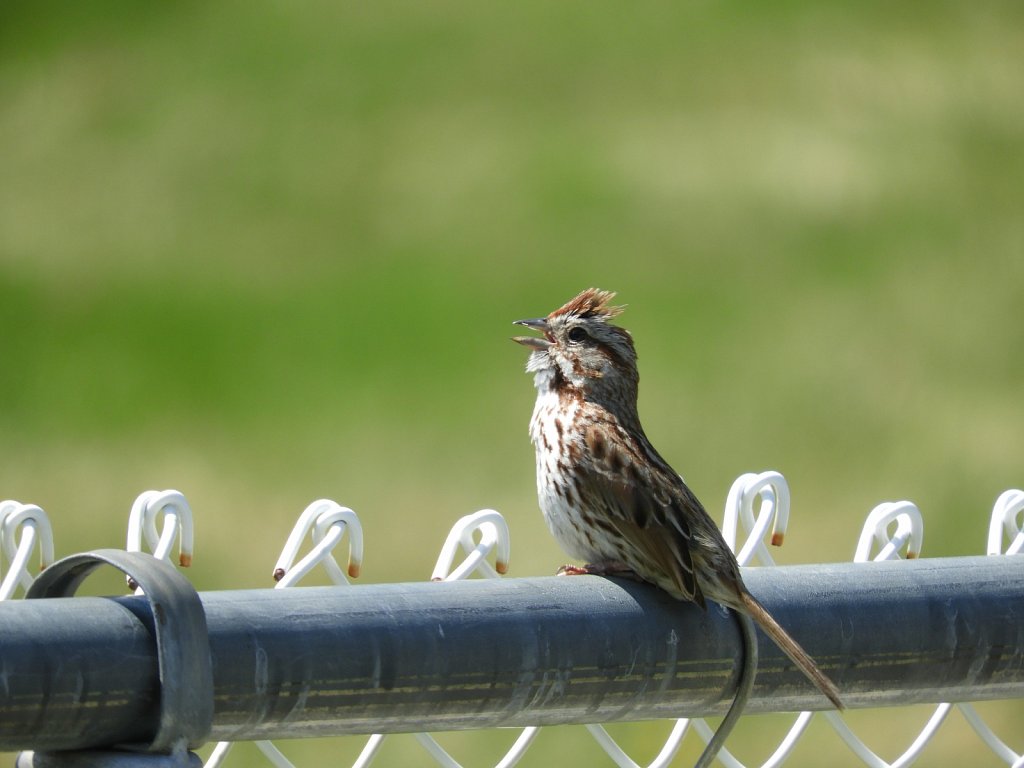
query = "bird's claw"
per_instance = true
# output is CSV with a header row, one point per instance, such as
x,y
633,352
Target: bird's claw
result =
x,y
611,568
572,570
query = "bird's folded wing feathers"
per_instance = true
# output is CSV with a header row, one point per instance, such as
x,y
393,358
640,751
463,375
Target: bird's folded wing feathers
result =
x,y
653,524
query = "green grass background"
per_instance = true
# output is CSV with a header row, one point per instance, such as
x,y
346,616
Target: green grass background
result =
x,y
265,253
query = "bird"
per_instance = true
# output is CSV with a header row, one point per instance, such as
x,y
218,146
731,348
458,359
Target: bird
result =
x,y
607,495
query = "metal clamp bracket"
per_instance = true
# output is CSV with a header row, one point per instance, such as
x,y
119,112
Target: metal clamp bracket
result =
x,y
182,643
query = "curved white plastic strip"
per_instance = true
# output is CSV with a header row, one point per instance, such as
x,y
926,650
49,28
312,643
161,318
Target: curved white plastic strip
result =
x,y
909,532
1007,518
177,523
22,526
494,537
773,491
326,522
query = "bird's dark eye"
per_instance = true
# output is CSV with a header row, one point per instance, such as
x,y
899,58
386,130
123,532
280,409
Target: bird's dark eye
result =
x,y
577,335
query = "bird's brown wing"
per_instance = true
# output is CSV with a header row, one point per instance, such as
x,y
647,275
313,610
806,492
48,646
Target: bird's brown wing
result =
x,y
644,508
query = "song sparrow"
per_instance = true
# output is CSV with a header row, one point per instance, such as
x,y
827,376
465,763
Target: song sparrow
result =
x,y
607,495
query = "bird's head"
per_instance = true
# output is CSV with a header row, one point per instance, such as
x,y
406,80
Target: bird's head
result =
x,y
579,348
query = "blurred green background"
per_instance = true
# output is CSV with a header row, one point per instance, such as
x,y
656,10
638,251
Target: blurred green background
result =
x,y
265,253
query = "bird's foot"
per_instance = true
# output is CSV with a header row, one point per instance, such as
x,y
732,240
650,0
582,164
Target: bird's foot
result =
x,y
607,568
572,570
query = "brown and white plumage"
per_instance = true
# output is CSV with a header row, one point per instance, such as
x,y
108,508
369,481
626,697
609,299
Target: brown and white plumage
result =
x,y
607,495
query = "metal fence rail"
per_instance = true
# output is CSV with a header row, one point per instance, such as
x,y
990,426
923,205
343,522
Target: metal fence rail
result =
x,y
83,672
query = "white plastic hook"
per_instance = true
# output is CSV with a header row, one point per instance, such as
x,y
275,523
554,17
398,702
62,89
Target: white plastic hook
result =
x,y
494,535
326,522
773,491
177,523
909,532
1008,519
33,525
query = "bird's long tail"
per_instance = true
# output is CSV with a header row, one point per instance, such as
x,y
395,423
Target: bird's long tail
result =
x,y
791,648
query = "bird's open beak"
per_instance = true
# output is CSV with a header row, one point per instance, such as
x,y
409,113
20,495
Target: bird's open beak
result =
x,y
538,324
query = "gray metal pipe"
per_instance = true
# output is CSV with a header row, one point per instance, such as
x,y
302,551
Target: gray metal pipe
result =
x,y
82,672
